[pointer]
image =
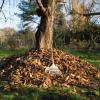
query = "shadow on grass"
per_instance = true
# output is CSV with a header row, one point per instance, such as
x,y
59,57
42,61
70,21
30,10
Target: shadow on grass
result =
x,y
30,93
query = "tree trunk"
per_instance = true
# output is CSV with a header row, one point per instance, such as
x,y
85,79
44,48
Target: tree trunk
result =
x,y
44,34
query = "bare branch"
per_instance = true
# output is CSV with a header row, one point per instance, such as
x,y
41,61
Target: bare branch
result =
x,y
2,5
35,22
2,10
92,14
41,5
4,15
85,14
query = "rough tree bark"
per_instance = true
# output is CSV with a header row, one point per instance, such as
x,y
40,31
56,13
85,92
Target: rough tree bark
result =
x,y
44,33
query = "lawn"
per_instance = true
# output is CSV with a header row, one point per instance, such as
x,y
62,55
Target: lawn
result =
x,y
54,93
10,52
27,93
91,56
32,93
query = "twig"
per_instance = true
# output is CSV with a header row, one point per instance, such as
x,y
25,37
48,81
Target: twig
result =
x,y
4,15
40,5
2,5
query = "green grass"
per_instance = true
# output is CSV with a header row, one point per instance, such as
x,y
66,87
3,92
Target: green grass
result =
x,y
92,56
10,52
54,93
31,93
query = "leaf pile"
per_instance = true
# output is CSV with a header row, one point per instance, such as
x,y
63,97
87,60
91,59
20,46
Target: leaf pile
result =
x,y
29,69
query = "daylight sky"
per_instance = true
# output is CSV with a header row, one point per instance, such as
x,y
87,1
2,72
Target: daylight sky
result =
x,y
10,9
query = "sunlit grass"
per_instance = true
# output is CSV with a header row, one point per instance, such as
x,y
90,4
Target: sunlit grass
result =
x,y
92,56
10,52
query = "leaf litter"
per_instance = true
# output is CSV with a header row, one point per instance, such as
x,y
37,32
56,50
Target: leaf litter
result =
x,y
29,69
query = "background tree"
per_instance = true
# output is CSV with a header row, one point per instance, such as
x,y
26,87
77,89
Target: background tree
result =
x,y
60,27
43,39
82,23
43,9
28,13
28,37
7,37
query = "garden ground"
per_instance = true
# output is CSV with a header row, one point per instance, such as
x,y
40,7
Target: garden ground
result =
x,y
31,93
